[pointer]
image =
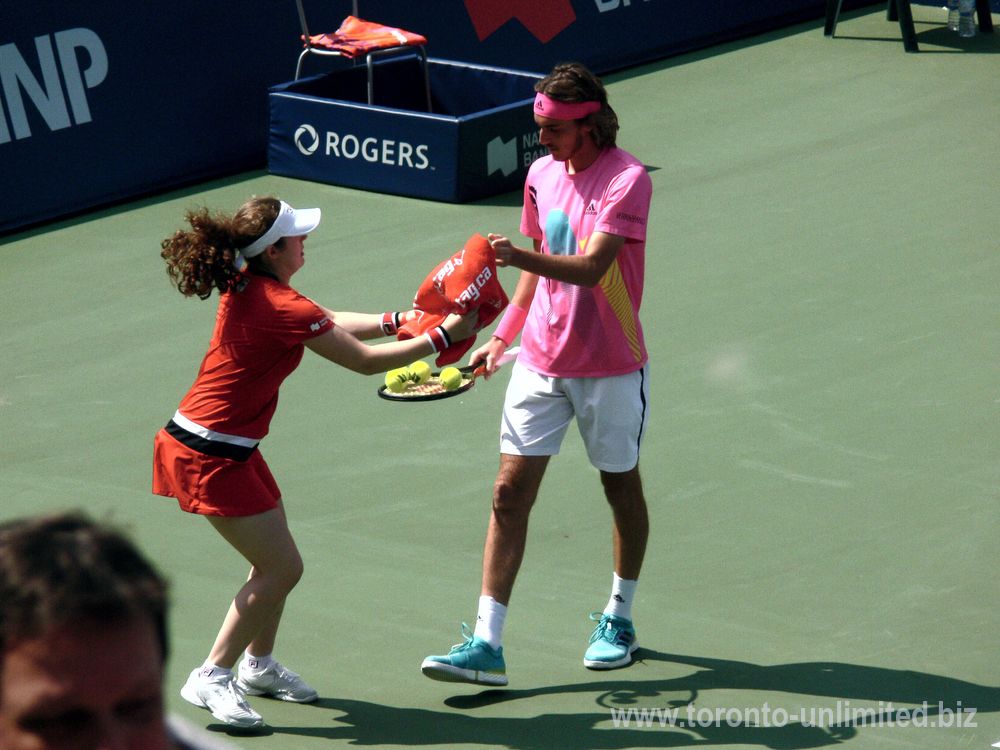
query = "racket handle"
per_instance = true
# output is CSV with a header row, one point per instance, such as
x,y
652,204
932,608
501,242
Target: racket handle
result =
x,y
508,356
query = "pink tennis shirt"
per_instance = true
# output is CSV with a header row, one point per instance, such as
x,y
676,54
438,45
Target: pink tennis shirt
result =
x,y
573,331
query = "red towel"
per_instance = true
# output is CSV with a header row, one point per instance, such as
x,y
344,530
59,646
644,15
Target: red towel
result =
x,y
466,281
356,37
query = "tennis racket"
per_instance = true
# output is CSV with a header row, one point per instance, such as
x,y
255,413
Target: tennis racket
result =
x,y
433,389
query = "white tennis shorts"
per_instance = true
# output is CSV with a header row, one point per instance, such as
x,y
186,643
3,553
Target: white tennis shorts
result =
x,y
611,414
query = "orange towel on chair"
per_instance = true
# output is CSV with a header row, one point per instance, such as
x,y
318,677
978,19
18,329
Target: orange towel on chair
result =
x,y
356,37
465,281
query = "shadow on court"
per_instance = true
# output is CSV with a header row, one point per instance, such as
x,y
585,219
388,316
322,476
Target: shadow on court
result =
x,y
821,679
937,41
388,726
366,723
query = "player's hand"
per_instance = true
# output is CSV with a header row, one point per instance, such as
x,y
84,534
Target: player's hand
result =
x,y
461,327
488,354
503,248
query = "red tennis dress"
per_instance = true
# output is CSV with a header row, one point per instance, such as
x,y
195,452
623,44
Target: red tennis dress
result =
x,y
207,456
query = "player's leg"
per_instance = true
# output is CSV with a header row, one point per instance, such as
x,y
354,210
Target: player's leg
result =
x,y
264,540
535,418
479,659
276,566
612,414
259,672
630,530
613,641
514,494
262,644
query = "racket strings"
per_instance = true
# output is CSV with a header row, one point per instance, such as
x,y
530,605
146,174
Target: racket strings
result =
x,y
431,387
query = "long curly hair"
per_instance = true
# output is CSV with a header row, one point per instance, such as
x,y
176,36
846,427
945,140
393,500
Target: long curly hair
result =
x,y
573,82
204,257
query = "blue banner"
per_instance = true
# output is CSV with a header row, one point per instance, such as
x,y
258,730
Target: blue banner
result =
x,y
478,141
103,101
107,100
605,34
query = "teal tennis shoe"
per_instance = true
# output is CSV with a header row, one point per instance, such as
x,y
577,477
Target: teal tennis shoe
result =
x,y
473,661
611,644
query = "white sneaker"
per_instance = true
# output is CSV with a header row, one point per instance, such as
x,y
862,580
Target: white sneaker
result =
x,y
275,681
223,697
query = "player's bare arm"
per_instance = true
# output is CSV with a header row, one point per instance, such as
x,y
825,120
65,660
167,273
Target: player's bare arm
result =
x,y
343,348
363,325
586,269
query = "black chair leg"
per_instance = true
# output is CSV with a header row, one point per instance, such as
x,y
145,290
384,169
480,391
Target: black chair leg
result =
x,y
897,10
833,13
906,25
985,19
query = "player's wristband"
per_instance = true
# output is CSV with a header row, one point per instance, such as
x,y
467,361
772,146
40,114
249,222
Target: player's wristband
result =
x,y
511,324
439,338
390,322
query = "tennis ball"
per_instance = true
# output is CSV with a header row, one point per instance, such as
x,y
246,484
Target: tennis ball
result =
x,y
395,380
451,378
420,372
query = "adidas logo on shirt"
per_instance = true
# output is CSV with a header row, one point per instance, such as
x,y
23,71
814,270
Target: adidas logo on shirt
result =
x,y
591,209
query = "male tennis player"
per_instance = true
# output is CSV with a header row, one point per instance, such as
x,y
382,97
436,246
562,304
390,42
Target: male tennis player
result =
x,y
582,355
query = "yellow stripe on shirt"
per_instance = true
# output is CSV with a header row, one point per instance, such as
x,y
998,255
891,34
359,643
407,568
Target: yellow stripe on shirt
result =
x,y
613,285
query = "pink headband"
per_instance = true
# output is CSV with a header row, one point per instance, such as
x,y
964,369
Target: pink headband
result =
x,y
546,106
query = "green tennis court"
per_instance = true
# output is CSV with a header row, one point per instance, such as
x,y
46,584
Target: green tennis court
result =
x,y
821,307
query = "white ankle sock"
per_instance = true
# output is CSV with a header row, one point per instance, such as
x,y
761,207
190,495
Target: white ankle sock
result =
x,y
211,672
489,621
622,596
257,663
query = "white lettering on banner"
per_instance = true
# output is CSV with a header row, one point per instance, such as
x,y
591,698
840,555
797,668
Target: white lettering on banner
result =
x,y
532,148
603,6
376,151
16,77
405,154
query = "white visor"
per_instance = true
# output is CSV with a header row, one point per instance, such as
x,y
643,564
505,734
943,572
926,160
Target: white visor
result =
x,y
290,223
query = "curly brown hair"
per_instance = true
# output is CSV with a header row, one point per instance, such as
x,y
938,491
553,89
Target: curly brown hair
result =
x,y
204,257
573,82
